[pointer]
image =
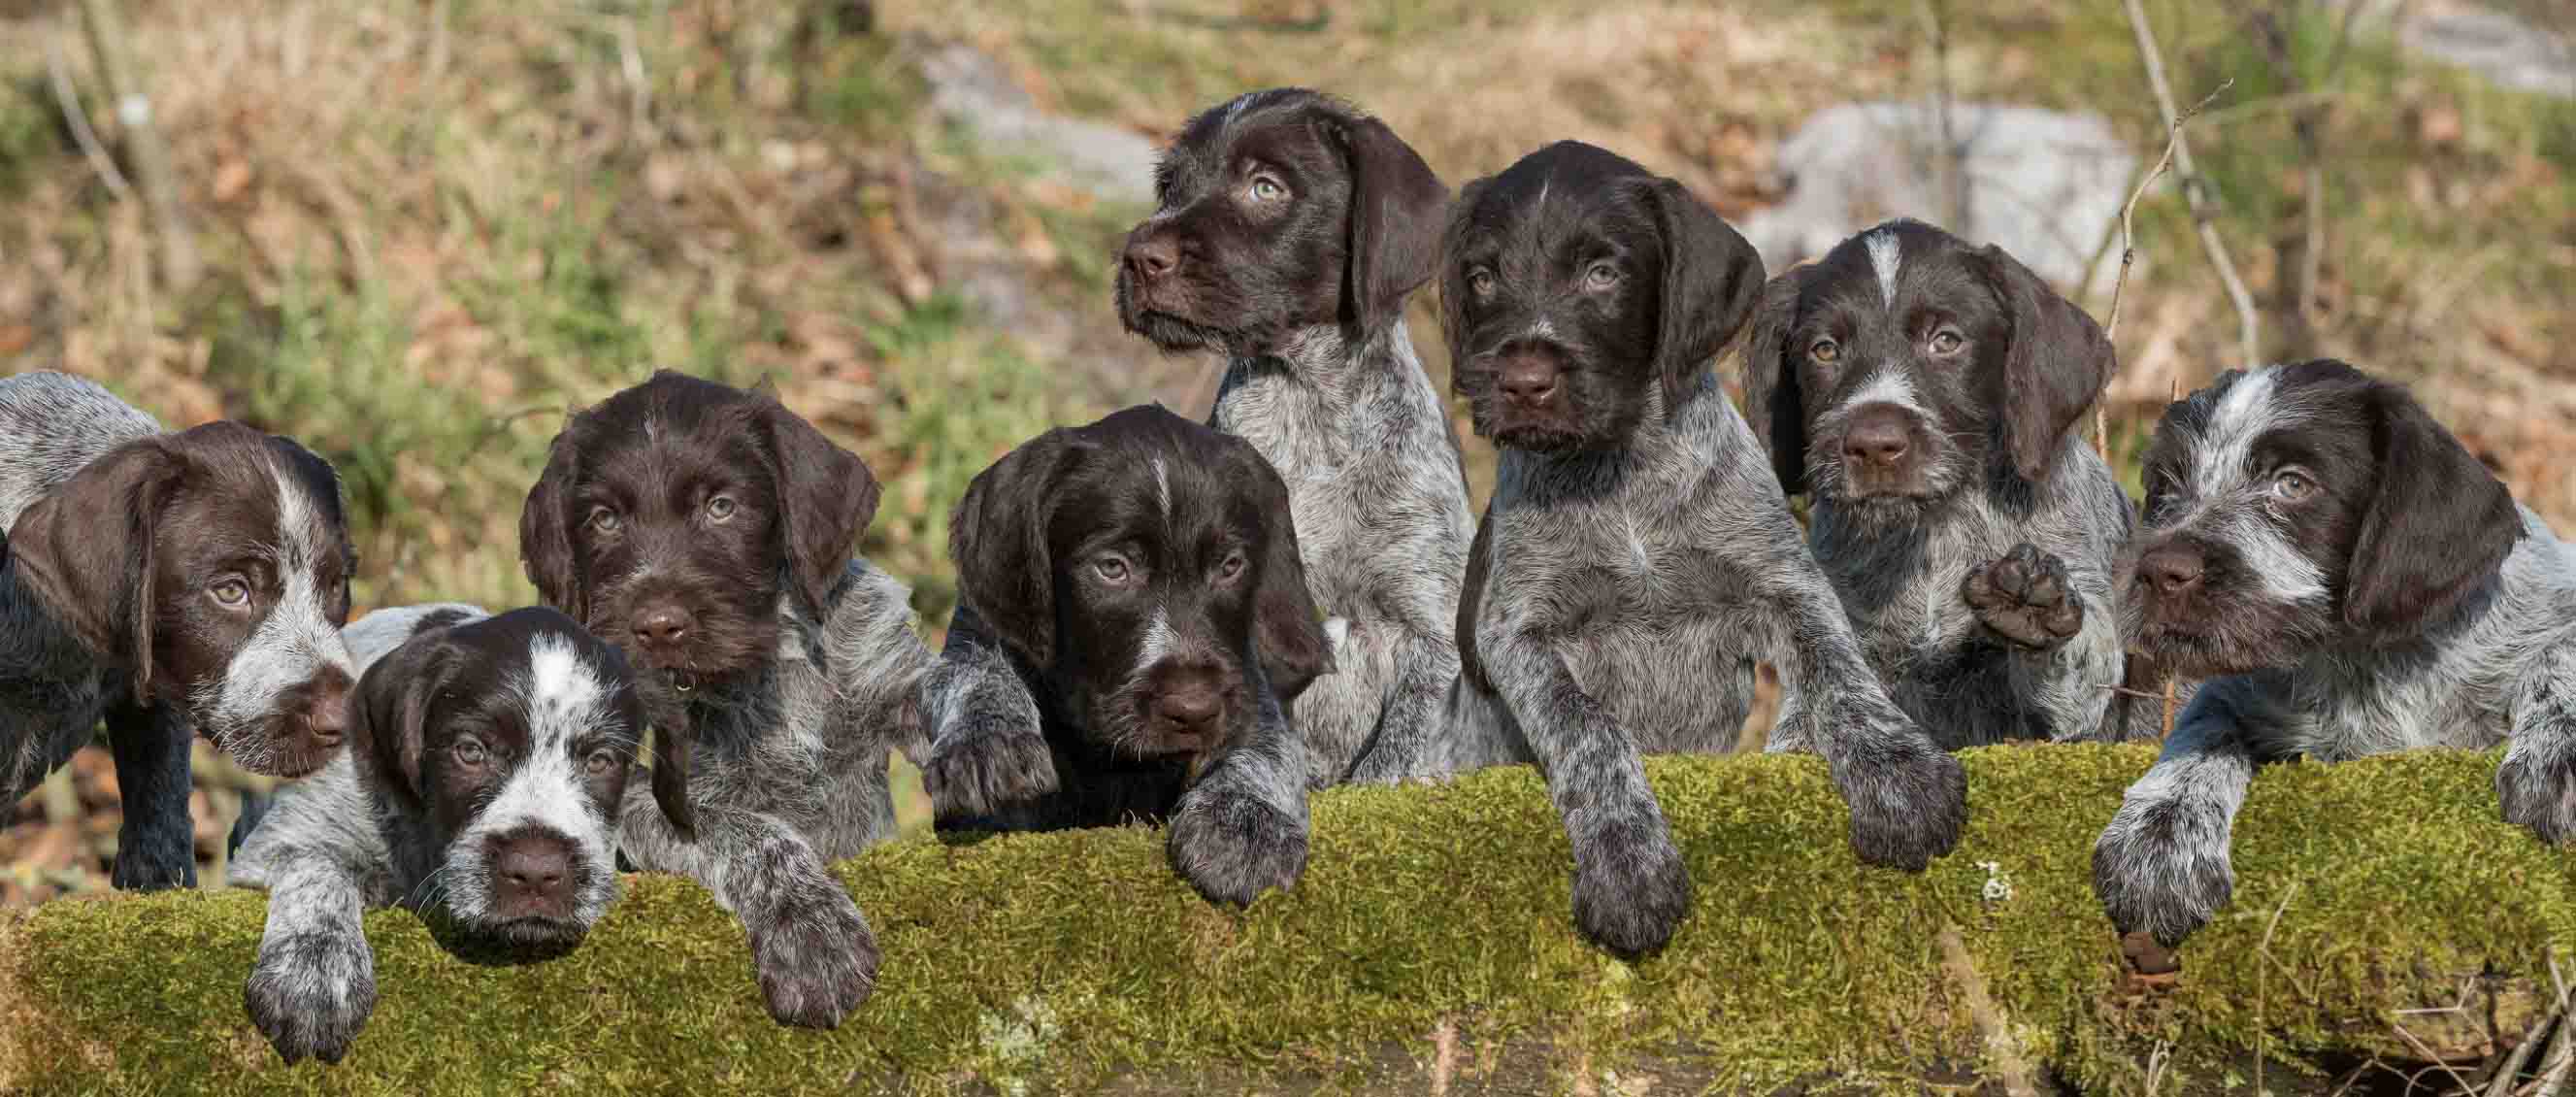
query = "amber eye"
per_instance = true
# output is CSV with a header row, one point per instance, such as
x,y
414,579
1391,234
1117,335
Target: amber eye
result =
x,y
1946,341
1825,350
1112,569
604,519
720,508
230,592
470,753
1601,275
2293,485
1481,281
602,762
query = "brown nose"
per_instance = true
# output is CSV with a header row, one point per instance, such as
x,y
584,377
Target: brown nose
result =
x,y
530,869
1529,381
1151,257
327,721
2172,569
1877,436
1190,703
662,625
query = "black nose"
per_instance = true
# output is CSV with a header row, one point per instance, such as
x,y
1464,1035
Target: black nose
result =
x,y
1152,257
1877,436
662,625
1529,381
530,868
1191,703
2173,569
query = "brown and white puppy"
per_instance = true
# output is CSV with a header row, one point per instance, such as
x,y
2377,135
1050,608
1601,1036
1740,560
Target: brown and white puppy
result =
x,y
163,581
2350,581
1290,228
707,531
487,761
1133,622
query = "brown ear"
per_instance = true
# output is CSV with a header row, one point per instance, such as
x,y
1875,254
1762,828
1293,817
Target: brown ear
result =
x,y
1395,216
2437,526
545,528
85,548
1773,404
826,497
1453,279
1287,628
997,537
2057,365
389,715
1711,278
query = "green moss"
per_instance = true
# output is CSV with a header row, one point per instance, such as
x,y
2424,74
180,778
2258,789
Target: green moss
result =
x,y
1058,963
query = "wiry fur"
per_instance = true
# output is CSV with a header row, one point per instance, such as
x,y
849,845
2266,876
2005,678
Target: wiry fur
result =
x,y
1976,567
118,535
2390,596
1307,304
1637,558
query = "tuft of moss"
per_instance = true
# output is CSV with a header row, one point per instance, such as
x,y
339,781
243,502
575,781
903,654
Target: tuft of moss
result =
x,y
1076,962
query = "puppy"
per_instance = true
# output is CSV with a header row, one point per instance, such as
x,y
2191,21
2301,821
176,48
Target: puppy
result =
x,y
1636,558
706,530
2349,581
1291,229
1132,621
486,760
163,581
1923,393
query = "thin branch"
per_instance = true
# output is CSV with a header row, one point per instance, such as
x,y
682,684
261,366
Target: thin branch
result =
x,y
75,116
1949,162
2263,985
2128,236
2193,186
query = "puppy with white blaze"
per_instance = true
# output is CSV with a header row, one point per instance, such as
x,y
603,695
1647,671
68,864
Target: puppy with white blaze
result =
x,y
1924,394
480,790
163,581
2350,581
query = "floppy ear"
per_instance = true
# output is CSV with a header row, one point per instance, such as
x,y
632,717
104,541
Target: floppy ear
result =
x,y
1773,405
85,548
545,530
1395,215
1711,278
1285,623
998,539
826,497
2057,365
1453,279
2438,523
389,716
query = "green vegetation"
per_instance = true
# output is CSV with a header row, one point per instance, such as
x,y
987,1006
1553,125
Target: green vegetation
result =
x,y
1063,963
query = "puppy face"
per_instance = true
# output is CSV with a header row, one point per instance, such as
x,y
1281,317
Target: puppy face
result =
x,y
1142,565
1279,210
674,517
509,738
1581,292
2298,508
1888,374
213,566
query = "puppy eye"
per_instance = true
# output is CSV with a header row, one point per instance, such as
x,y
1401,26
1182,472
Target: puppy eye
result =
x,y
1481,281
2292,485
1825,350
1946,341
1232,567
1267,189
601,762
230,592
1112,569
720,508
604,519
470,753
1601,275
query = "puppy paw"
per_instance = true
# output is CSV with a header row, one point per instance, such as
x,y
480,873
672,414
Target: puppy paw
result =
x,y
2025,597
2160,870
2540,797
1631,891
816,958
311,993
1232,847
986,766
1908,806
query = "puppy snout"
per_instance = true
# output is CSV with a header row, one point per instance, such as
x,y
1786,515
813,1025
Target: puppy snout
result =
x,y
1529,381
2172,569
1878,438
662,625
1150,256
532,872
326,718
1191,702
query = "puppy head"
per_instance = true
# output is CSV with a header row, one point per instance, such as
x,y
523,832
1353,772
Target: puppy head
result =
x,y
2302,507
1888,374
1580,292
212,566
1146,567
1279,210
509,740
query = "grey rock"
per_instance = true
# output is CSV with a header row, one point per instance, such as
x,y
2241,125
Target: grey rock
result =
x,y
971,90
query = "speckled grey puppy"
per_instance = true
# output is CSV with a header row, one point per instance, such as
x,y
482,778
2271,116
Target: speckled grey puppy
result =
x,y
1291,230
1637,557
2352,581
1925,395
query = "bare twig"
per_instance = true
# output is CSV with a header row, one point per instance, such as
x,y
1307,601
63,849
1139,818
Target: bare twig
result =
x,y
1991,1023
2128,236
76,117
1444,1062
1949,167
2263,986
2432,1057
2192,186
143,145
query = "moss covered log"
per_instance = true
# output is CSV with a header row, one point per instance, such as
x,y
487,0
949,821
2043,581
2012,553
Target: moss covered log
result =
x,y
1431,938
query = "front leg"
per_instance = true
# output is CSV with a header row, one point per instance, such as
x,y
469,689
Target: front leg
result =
x,y
987,749
2161,868
2025,598
811,949
315,982
1409,727
1241,830
156,845
2537,783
